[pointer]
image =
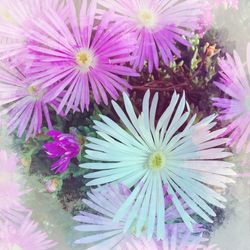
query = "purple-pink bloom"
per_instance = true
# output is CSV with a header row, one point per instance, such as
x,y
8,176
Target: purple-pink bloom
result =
x,y
15,16
79,55
10,189
23,235
65,146
158,26
23,104
235,106
102,232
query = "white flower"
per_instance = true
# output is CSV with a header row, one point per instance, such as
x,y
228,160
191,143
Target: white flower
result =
x,y
147,155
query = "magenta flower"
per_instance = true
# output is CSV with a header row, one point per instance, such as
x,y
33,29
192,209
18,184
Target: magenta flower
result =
x,y
158,26
235,106
15,16
65,146
78,56
10,189
23,235
23,103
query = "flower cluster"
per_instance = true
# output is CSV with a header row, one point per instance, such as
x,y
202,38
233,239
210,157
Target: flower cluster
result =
x,y
29,89
88,58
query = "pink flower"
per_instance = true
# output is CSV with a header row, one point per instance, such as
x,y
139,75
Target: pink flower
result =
x,y
15,15
23,103
234,108
23,235
102,232
158,26
80,56
10,189
65,146
17,230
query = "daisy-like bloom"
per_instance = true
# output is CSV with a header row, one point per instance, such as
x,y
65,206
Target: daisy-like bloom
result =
x,y
23,235
81,55
158,26
10,190
147,155
235,106
65,146
24,104
15,15
101,232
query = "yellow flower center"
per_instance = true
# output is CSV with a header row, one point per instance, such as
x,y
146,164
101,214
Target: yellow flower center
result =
x,y
133,229
85,59
34,92
147,18
157,160
6,15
